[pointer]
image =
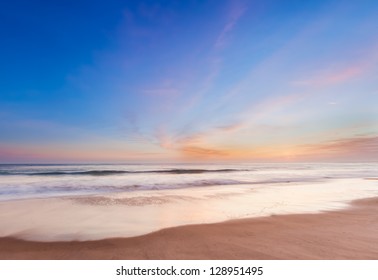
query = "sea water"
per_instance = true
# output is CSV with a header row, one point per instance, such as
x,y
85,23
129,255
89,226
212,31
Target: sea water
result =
x,y
89,202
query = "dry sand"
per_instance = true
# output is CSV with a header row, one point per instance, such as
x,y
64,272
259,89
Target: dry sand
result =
x,y
346,234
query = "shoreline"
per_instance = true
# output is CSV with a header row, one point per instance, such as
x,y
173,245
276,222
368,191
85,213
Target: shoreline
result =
x,y
350,233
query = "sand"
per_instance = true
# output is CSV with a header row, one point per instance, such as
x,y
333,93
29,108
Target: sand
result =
x,y
344,234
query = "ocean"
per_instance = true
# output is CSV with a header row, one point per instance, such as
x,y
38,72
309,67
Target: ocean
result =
x,y
89,202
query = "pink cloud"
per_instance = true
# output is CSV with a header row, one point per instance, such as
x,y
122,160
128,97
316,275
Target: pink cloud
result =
x,y
337,75
191,146
353,148
198,152
15,153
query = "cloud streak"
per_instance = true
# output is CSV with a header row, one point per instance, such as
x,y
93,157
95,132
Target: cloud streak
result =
x,y
236,13
201,152
334,77
347,70
353,148
351,145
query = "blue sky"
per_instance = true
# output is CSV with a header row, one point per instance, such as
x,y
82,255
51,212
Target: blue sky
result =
x,y
130,81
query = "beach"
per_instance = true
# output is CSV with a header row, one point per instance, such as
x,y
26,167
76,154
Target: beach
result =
x,y
344,234
239,211
189,130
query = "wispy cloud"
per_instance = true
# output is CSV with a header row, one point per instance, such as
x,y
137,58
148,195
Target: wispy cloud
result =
x,y
201,152
197,142
215,59
236,13
355,144
206,85
188,146
347,70
332,77
353,148
231,127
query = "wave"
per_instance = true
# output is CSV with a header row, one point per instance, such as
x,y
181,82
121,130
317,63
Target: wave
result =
x,y
118,172
82,189
74,188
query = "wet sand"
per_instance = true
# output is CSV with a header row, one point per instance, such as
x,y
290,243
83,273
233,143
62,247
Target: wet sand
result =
x,y
344,234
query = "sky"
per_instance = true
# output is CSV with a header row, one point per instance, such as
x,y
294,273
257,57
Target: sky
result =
x,y
188,81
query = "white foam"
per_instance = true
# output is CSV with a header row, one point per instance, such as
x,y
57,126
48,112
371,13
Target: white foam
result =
x,y
20,185
140,212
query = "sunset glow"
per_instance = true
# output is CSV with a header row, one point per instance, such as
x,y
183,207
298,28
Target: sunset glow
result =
x,y
179,81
